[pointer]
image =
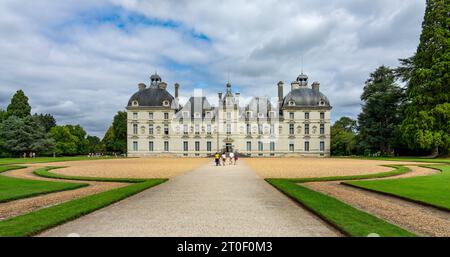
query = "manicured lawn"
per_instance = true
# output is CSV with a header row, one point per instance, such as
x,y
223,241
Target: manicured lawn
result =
x,y
350,220
34,222
433,190
48,159
16,188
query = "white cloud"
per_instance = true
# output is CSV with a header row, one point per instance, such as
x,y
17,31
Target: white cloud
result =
x,y
74,61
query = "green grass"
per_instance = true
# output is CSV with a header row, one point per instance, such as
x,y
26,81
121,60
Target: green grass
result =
x,y
431,190
37,221
17,188
346,218
47,159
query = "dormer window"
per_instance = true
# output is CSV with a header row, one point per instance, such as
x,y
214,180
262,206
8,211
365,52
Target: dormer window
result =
x,y
260,115
291,103
166,103
321,103
135,103
197,115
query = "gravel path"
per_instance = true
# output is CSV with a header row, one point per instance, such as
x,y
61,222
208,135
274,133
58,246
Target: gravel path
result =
x,y
209,201
17,207
318,167
420,219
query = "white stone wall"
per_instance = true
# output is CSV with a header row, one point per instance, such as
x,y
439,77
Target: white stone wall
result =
x,y
175,138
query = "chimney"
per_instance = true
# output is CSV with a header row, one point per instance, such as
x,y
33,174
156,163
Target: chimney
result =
x,y
162,85
177,87
141,86
315,86
280,91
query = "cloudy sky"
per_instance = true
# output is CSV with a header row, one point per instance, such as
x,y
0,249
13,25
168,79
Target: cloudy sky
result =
x,y
81,60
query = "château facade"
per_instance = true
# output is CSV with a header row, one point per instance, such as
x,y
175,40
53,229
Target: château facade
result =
x,y
298,124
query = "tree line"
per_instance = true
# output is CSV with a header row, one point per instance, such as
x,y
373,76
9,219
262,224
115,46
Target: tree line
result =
x,y
24,134
413,119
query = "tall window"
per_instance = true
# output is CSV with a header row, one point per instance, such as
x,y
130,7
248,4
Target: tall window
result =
x,y
306,115
272,129
208,129
322,146
166,130
249,146
291,147
249,129
260,129
197,129
135,115
272,114
208,146
150,146
307,146
150,129
228,115
322,129
291,115
135,145
260,146
185,129
185,146
322,115
291,129
197,146
272,146
166,115
150,115
306,129
166,146
228,129
135,129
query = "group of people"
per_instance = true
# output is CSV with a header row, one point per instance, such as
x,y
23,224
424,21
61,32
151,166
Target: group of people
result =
x,y
221,159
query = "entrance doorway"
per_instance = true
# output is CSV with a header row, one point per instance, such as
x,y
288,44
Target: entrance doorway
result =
x,y
228,148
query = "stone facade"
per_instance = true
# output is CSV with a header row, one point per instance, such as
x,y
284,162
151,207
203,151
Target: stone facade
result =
x,y
297,125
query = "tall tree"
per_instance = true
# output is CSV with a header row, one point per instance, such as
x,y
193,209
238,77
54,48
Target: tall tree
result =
x,y
19,105
80,133
380,118
46,120
3,115
343,134
24,135
115,139
428,87
65,142
93,144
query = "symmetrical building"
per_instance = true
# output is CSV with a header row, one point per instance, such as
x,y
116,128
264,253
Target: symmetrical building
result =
x,y
296,124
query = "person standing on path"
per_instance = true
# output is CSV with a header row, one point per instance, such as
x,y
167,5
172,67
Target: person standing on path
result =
x,y
217,159
224,158
231,155
235,158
